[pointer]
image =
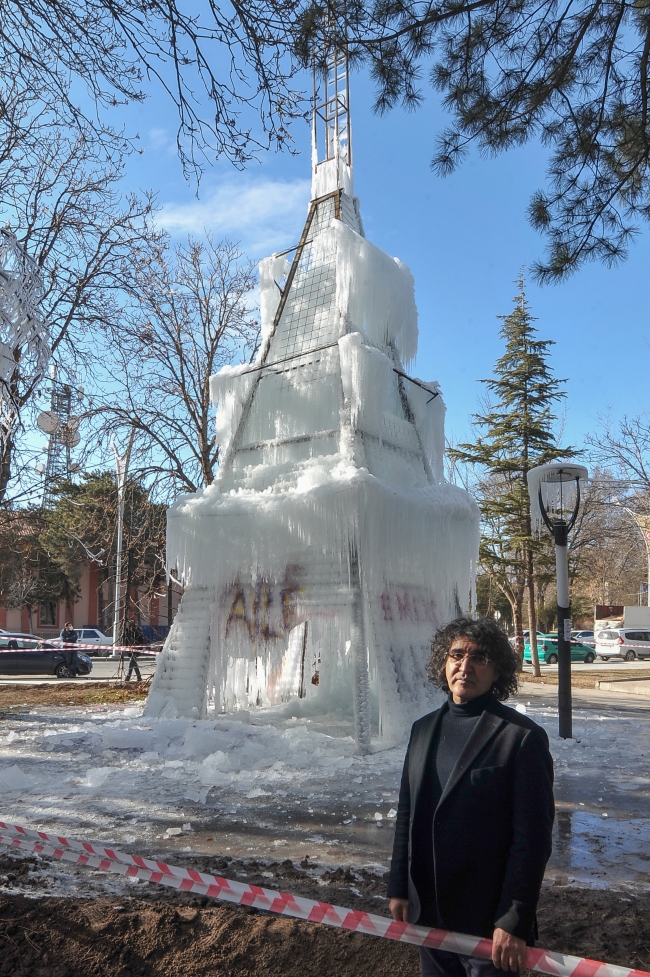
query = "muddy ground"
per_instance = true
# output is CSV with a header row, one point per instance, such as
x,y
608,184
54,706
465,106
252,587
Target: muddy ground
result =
x,y
71,694
170,934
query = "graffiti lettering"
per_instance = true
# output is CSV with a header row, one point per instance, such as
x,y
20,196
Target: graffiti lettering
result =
x,y
385,606
267,611
408,606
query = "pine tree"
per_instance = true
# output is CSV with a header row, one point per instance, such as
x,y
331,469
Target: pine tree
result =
x,y
514,432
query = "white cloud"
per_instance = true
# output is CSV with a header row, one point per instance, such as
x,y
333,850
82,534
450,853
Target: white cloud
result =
x,y
158,138
264,215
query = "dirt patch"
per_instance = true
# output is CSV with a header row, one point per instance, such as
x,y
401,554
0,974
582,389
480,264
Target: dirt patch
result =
x,y
601,925
194,937
71,694
586,680
80,938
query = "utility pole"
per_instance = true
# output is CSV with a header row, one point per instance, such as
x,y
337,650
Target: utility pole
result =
x,y
122,466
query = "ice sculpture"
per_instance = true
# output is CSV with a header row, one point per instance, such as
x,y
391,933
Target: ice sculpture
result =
x,y
328,549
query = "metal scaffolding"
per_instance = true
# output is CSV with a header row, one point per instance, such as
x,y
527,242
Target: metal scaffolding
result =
x,y
332,101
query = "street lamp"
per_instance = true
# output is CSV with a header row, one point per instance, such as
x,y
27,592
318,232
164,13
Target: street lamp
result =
x,y
555,500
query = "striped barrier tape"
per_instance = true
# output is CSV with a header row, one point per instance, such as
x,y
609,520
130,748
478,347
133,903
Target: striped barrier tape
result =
x,y
216,887
141,649
153,649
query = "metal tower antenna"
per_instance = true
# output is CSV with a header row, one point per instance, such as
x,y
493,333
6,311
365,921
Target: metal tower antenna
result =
x,y
63,433
332,129
24,339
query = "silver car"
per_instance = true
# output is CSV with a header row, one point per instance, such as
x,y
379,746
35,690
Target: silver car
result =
x,y
625,643
92,636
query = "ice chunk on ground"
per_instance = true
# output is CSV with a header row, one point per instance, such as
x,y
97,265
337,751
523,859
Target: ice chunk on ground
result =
x,y
13,778
196,795
97,776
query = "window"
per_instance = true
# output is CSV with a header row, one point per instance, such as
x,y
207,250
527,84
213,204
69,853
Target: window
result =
x,y
632,636
47,614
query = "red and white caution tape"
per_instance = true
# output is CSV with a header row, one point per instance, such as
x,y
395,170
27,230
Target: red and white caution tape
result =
x,y
190,880
140,649
150,649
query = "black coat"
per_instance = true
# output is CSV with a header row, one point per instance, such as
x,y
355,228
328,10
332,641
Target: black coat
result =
x,y
491,828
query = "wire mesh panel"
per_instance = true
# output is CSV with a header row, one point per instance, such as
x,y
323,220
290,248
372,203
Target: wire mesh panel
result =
x,y
301,395
309,317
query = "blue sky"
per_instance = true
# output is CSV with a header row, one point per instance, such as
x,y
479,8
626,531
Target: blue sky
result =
x,y
464,237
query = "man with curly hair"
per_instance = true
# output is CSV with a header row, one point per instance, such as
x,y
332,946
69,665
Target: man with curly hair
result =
x,y
475,813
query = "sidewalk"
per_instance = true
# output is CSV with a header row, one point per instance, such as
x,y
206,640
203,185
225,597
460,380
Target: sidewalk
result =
x,y
630,686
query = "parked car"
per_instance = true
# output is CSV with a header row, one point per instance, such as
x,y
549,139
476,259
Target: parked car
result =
x,y
91,636
547,651
625,643
526,635
25,655
21,634
586,636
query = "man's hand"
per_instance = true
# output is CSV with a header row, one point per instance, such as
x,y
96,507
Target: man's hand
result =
x,y
399,910
508,951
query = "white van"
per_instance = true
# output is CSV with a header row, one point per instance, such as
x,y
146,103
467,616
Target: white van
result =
x,y
625,643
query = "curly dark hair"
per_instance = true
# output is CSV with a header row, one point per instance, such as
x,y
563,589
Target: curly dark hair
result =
x,y
486,633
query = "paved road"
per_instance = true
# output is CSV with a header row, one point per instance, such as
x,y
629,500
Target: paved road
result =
x,y
104,670
613,664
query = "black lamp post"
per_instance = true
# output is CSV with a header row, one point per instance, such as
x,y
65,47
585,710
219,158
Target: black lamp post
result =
x,y
555,500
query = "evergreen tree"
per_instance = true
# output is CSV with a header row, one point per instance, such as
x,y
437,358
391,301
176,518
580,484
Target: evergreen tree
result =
x,y
514,433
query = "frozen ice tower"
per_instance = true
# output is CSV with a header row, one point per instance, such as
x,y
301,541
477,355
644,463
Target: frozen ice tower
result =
x,y
329,548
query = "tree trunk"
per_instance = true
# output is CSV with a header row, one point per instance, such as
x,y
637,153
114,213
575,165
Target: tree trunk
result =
x,y
5,467
517,619
128,596
515,597
532,613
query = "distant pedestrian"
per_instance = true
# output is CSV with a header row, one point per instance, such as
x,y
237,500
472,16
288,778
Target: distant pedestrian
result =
x,y
133,635
69,636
